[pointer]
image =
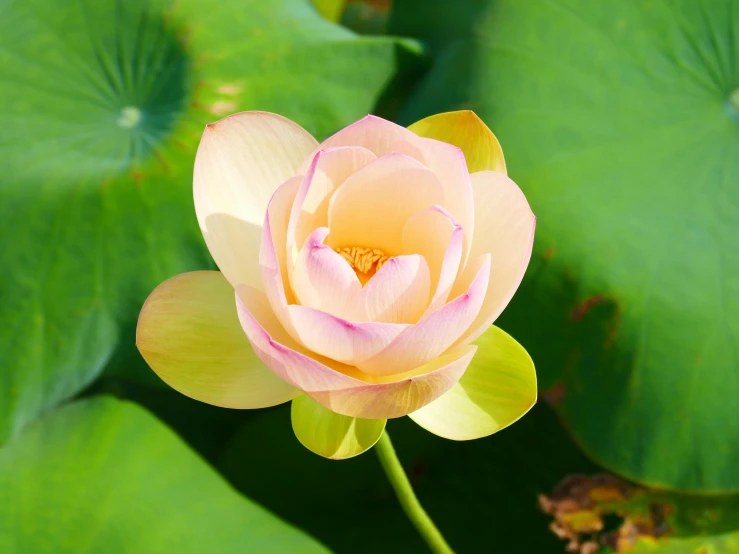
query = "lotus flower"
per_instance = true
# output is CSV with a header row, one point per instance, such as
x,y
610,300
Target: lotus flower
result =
x,y
359,278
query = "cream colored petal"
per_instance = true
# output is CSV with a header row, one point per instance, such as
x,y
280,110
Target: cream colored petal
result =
x,y
322,278
240,162
189,333
436,236
504,229
434,334
469,133
332,435
339,387
397,293
448,164
371,208
328,170
497,389
446,161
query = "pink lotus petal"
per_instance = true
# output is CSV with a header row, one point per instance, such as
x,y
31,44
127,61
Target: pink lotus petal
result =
x,y
339,339
437,236
434,334
505,230
322,279
402,397
271,259
447,162
338,387
371,132
327,171
372,206
397,293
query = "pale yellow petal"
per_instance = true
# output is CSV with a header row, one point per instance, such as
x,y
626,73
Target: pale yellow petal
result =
x,y
189,333
497,389
465,130
332,435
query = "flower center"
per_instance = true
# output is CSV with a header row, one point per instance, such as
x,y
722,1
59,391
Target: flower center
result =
x,y
365,261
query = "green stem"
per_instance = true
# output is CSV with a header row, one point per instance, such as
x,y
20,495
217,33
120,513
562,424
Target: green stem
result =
x,y
408,501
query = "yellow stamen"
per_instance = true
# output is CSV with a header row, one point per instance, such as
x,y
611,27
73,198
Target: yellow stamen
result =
x,y
367,261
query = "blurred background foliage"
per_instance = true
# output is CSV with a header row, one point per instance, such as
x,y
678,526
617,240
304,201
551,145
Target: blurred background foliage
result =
x,y
620,121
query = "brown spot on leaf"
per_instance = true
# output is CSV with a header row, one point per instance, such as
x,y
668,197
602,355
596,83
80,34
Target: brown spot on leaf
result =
x,y
181,146
582,309
162,162
382,5
613,327
579,504
549,253
554,394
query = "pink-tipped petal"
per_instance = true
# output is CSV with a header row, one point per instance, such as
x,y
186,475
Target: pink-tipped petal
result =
x,y
372,206
371,132
399,398
437,236
434,334
240,162
327,172
272,252
397,293
275,225
322,279
189,334
339,387
340,339
505,228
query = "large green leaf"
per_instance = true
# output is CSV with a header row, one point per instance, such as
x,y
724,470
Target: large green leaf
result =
x,y
102,103
619,120
104,476
480,493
